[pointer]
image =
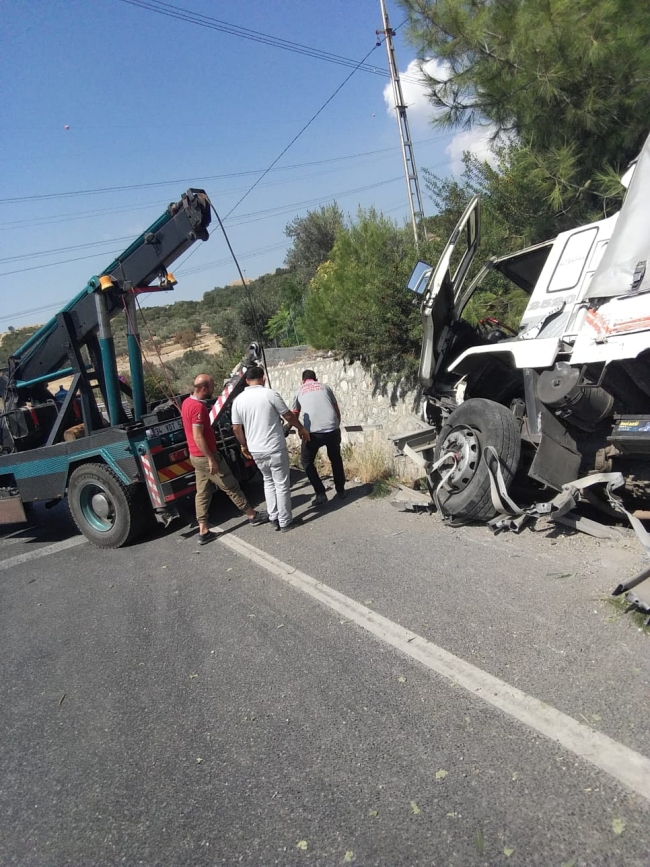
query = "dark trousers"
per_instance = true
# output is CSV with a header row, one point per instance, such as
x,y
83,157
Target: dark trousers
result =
x,y
308,452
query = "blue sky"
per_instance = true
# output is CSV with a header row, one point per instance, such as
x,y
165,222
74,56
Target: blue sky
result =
x,y
155,105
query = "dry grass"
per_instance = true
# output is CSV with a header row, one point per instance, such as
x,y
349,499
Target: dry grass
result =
x,y
368,462
363,462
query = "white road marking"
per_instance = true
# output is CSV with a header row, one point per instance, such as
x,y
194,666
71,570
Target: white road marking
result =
x,y
42,552
620,762
17,537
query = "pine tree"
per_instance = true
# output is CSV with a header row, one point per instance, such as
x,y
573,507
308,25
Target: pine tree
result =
x,y
566,79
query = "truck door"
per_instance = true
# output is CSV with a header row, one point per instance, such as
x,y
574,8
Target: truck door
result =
x,y
442,289
564,280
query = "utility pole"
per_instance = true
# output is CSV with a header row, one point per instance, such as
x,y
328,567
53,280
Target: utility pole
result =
x,y
410,170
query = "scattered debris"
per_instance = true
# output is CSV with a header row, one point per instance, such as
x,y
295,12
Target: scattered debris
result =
x,y
410,500
638,600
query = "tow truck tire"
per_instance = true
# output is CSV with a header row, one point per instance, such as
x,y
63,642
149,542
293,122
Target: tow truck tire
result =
x,y
471,427
109,513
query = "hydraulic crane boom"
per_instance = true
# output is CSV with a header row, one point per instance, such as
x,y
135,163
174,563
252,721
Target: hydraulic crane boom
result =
x,y
120,462
45,356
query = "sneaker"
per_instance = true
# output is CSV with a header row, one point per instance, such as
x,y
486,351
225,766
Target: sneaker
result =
x,y
295,523
204,538
341,494
260,518
320,499
275,524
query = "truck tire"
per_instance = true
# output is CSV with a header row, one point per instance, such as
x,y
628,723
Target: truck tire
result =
x,y
109,513
471,427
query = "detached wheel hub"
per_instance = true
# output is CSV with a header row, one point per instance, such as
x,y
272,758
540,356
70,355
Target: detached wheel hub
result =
x,y
463,442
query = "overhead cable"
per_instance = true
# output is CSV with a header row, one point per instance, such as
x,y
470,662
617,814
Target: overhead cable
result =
x,y
210,23
298,134
150,184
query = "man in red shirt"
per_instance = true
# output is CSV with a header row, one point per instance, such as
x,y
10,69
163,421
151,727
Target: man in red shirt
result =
x,y
211,469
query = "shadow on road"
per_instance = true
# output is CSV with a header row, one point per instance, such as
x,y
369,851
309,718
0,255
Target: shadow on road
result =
x,y
55,524
47,525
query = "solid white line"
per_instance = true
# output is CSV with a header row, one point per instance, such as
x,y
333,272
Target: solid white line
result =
x,y
42,552
624,764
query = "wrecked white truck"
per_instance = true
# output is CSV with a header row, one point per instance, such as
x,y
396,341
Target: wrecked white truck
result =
x,y
564,402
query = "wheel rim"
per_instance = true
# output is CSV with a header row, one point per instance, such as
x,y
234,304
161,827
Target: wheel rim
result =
x,y
463,443
97,507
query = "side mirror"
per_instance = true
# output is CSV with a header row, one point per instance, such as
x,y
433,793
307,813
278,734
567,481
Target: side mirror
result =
x,y
419,277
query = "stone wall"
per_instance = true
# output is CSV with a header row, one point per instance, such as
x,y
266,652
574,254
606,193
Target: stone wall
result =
x,y
377,408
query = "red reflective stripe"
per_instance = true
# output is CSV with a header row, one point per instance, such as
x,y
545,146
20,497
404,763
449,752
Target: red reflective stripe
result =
x,y
182,493
228,389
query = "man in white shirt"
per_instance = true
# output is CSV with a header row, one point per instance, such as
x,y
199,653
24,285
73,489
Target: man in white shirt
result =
x,y
257,415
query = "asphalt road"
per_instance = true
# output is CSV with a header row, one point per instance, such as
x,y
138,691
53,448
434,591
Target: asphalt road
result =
x,y
169,705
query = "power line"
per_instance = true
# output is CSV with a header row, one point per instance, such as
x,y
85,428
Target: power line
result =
x,y
77,215
272,212
297,136
217,263
243,220
24,313
256,216
282,153
57,304
64,249
150,184
181,273
211,23
60,262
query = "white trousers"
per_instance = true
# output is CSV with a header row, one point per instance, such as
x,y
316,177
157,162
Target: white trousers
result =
x,y
275,471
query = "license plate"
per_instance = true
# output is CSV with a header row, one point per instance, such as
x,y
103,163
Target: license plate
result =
x,y
159,430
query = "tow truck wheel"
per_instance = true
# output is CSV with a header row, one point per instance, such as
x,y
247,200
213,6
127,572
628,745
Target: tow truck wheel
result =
x,y
471,427
107,512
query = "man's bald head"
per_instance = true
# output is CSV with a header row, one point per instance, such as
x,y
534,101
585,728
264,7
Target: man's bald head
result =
x,y
203,386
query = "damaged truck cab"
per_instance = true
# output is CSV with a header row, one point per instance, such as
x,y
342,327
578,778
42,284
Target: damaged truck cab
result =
x,y
567,394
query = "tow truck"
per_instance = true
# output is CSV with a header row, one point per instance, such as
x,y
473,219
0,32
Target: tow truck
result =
x,y
561,403
128,467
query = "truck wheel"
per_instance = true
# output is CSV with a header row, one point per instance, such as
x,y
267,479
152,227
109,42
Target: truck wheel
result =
x,y
107,512
471,427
